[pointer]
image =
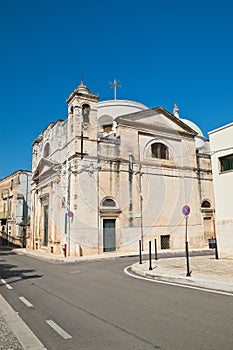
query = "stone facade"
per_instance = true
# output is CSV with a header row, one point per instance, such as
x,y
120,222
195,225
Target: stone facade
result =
x,y
15,205
116,172
222,163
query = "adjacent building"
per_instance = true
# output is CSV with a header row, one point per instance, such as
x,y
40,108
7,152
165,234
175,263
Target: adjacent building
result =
x,y
221,142
15,196
116,172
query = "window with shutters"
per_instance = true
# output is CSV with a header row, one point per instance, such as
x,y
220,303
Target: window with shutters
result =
x,y
226,163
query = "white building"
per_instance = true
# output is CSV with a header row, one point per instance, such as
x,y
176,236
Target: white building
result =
x,y
116,172
221,143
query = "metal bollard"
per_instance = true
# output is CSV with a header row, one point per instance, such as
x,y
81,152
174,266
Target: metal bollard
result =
x,y
150,263
216,249
156,255
140,252
65,250
188,274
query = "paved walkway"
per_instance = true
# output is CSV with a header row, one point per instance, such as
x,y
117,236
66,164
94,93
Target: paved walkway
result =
x,y
207,272
14,333
59,258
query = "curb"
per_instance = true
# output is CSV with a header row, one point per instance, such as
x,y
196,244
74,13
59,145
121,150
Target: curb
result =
x,y
68,260
188,281
26,337
71,259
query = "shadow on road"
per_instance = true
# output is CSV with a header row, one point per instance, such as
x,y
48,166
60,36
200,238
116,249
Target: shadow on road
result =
x,y
12,273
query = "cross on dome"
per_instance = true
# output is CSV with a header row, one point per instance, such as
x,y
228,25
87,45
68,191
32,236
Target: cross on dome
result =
x,y
114,86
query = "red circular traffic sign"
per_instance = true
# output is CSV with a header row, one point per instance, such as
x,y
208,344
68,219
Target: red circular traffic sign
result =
x,y
186,210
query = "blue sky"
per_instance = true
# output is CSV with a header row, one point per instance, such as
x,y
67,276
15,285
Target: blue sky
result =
x,y
162,51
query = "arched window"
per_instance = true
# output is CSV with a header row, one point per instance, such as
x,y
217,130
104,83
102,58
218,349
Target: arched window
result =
x,y
159,150
47,150
206,204
85,113
106,123
108,202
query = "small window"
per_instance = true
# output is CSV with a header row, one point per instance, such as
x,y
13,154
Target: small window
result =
x,y
107,128
205,204
10,208
106,124
226,163
165,241
159,150
46,150
108,202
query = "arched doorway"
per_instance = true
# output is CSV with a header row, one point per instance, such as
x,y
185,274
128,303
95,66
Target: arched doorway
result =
x,y
109,214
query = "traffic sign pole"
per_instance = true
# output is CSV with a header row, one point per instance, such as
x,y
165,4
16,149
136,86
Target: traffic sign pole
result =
x,y
187,247
186,212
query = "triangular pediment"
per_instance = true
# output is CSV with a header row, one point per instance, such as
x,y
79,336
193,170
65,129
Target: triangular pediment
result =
x,y
156,119
45,168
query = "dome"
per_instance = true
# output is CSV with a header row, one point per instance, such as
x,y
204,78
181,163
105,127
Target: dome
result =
x,y
193,126
82,88
116,108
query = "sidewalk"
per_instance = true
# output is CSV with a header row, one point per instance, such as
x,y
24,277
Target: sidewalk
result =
x,y
207,272
14,333
59,258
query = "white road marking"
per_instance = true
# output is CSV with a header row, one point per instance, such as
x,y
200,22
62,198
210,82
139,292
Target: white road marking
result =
x,y
6,284
58,329
176,284
25,301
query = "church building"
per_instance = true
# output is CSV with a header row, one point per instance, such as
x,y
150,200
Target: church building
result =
x,y
116,172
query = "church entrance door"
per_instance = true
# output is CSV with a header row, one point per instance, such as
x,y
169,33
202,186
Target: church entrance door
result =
x,y
46,222
109,235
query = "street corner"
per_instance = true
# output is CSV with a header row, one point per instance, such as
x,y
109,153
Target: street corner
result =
x,y
204,274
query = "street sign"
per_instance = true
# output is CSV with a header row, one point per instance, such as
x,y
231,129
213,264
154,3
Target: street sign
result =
x,y
186,210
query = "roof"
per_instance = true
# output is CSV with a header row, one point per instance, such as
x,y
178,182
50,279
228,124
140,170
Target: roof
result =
x,y
130,119
221,128
16,173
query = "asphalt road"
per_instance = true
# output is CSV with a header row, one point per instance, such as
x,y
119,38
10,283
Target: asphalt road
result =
x,y
94,305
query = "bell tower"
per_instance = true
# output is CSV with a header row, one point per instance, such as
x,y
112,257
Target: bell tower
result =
x,y
82,113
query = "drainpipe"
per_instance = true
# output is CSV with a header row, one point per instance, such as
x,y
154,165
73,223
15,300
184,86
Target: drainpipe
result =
x,y
140,194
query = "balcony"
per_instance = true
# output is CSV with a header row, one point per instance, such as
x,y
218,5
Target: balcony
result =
x,y
4,215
